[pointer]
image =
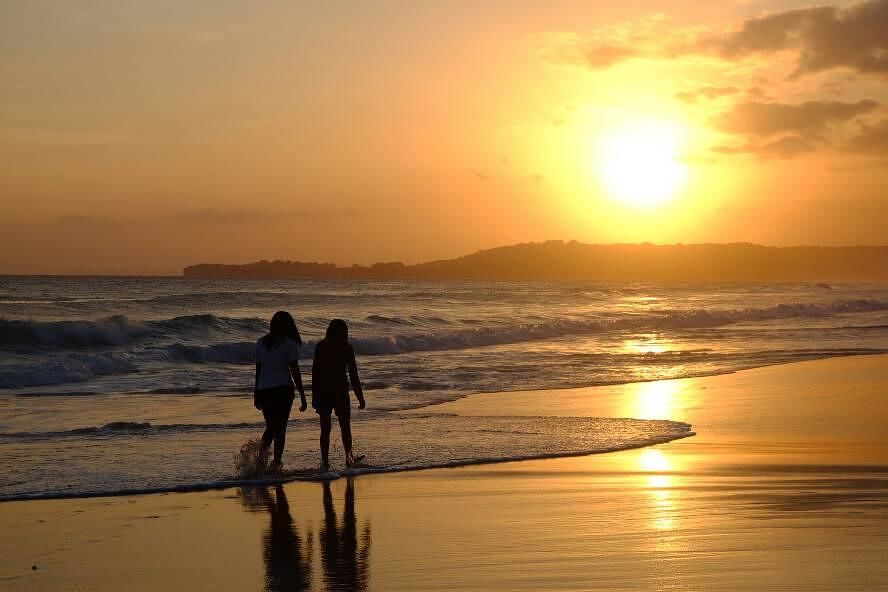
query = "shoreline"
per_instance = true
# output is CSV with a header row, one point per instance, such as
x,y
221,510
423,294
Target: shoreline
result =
x,y
783,486
346,474
466,405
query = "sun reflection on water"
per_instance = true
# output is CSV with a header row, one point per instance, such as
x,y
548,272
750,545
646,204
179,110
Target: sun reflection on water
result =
x,y
650,344
660,486
654,400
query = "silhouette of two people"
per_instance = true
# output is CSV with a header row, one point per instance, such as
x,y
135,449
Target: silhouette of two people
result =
x,y
288,556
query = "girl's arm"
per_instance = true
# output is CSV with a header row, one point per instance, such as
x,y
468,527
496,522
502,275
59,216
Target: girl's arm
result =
x,y
355,379
297,377
256,384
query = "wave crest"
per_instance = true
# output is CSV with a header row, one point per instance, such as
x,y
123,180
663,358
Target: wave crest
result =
x,y
118,330
59,369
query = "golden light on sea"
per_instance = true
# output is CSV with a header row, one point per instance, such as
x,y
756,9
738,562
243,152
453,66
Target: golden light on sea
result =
x,y
653,400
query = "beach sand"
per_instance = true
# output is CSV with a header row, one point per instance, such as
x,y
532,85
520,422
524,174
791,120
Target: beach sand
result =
x,y
784,487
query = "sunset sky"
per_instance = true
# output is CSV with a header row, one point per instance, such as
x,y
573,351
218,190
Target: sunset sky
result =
x,y
140,137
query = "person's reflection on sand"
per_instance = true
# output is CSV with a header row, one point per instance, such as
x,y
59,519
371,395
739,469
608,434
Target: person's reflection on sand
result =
x,y
287,559
344,559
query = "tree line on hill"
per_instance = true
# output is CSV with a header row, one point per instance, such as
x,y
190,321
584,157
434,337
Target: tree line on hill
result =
x,y
558,260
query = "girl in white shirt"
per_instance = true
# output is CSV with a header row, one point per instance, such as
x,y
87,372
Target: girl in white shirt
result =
x,y
277,379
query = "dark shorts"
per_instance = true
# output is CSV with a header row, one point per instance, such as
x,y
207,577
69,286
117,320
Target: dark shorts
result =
x,y
276,398
327,403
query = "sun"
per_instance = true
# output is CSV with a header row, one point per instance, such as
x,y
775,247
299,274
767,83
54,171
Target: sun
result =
x,y
638,163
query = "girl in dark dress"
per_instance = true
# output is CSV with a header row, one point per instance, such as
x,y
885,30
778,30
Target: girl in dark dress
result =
x,y
333,368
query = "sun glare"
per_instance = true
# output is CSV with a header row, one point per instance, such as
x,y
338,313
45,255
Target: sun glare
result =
x,y
639,163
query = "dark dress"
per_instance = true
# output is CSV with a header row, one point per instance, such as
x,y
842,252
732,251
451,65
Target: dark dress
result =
x,y
333,366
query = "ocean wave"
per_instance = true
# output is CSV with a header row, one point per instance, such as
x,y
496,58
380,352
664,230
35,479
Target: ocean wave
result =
x,y
20,335
65,368
206,323
128,428
112,331
233,353
694,319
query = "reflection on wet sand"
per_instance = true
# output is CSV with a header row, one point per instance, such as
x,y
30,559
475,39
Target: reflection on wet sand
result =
x,y
660,485
345,554
345,559
287,559
661,399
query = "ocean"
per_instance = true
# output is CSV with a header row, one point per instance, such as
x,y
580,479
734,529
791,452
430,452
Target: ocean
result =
x,y
111,385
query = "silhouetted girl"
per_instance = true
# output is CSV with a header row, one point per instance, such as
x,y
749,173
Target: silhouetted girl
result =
x,y
277,377
333,367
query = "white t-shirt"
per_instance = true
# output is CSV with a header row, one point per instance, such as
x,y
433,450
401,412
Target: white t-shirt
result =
x,y
274,363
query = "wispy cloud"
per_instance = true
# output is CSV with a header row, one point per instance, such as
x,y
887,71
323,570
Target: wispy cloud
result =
x,y
808,118
214,216
822,38
784,147
871,139
258,216
706,92
780,130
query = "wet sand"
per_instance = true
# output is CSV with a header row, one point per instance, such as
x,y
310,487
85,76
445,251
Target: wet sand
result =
x,y
785,486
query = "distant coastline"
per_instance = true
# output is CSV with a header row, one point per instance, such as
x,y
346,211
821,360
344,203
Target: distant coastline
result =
x,y
558,260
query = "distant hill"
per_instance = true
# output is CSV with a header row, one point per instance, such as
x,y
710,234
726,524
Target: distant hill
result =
x,y
558,260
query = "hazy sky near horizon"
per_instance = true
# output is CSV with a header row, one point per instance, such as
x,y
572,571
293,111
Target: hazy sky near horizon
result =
x,y
140,137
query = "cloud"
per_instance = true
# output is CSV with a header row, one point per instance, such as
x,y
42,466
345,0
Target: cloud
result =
x,y
211,216
822,37
597,51
870,140
706,92
769,119
780,130
606,55
255,216
825,37
784,147
604,47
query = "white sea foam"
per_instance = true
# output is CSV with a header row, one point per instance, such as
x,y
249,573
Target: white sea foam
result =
x,y
198,460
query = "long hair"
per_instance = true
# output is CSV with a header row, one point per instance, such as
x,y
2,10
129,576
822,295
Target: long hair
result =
x,y
282,326
337,331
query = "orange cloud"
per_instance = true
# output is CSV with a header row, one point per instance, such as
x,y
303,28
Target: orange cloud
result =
x,y
823,37
870,140
808,118
706,92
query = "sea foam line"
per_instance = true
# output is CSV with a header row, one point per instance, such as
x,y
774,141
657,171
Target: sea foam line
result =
x,y
228,483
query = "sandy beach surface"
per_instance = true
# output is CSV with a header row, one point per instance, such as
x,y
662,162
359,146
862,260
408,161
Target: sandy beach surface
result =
x,y
784,487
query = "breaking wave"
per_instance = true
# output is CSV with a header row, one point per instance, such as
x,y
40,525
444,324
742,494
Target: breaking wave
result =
x,y
64,368
118,330
128,428
19,335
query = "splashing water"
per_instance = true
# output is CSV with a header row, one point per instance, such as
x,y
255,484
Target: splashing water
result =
x,y
251,460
